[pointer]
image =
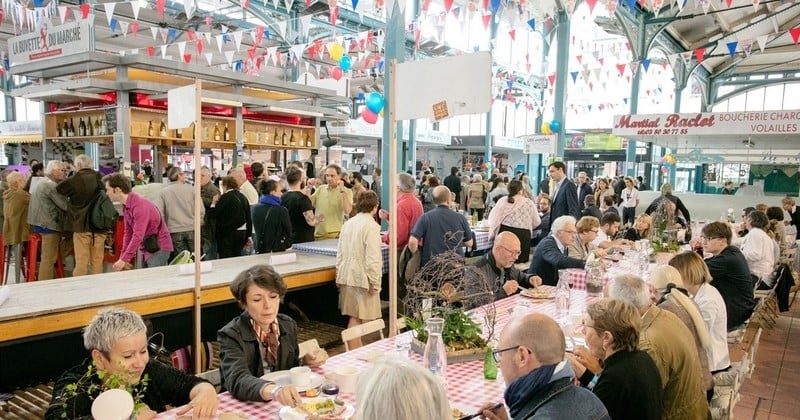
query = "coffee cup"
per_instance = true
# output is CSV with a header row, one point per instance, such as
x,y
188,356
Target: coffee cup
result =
x,y
346,377
301,375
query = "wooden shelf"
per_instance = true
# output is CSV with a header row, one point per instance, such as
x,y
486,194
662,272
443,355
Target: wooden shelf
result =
x,y
82,138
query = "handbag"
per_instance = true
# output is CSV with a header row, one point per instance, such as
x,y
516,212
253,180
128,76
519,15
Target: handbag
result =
x,y
151,241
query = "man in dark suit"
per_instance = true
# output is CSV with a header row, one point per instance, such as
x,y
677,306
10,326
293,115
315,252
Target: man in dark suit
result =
x,y
564,196
584,189
453,182
552,253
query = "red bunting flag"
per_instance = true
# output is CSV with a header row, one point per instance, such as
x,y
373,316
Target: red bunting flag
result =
x,y
134,28
245,3
199,46
151,51
190,35
621,69
591,4
308,3
551,78
187,58
601,60
729,2
485,4
426,4
251,52
362,43
699,54
160,7
579,58
528,67
486,20
795,33
513,34
334,14
85,8
209,19
448,4
1,16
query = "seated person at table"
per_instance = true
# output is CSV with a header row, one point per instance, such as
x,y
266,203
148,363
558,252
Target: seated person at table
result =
x,y
498,266
260,340
607,205
530,355
552,253
759,249
609,226
629,385
117,341
729,273
590,208
642,228
399,389
588,228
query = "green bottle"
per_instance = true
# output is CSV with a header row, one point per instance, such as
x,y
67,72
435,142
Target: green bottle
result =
x,y
489,365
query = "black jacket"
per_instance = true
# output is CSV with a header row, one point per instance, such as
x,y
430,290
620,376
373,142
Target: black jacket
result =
x,y
273,228
232,210
630,386
548,259
496,279
731,277
166,386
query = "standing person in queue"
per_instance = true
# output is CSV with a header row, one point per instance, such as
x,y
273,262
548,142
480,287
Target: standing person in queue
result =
x,y
297,202
333,201
232,219
261,340
210,194
564,197
46,215
359,265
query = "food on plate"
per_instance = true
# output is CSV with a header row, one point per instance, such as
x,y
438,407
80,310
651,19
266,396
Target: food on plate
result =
x,y
312,392
323,409
536,294
456,413
321,406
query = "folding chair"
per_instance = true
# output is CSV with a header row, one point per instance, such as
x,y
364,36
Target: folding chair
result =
x,y
361,330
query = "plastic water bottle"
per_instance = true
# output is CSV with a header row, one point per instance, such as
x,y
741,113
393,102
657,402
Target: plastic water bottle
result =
x,y
562,300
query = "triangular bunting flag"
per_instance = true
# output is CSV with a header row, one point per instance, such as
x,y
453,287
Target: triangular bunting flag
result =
x,y
732,47
187,58
151,51
621,68
532,24
220,41
591,4
182,48
85,9
747,46
486,19
62,12
646,64
173,34
109,7
705,4
272,52
134,28
762,42
495,5
237,39
574,75
699,54
199,46
164,51
298,49
281,28
124,26
113,25
160,7
135,9
209,56
305,21
154,31
795,33
513,34
229,57
448,5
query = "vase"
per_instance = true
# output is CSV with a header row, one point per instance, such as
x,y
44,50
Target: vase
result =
x,y
662,258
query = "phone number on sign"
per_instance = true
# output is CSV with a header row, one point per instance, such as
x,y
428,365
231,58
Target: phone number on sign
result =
x,y
662,132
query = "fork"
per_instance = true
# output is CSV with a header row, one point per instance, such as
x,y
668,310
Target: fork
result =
x,y
472,416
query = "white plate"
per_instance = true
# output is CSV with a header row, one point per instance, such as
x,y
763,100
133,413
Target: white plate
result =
x,y
291,413
114,404
282,378
464,409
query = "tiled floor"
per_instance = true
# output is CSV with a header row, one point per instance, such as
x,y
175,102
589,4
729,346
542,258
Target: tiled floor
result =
x,y
772,392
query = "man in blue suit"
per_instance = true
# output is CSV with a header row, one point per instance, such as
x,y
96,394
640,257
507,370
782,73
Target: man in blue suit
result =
x,y
552,253
564,197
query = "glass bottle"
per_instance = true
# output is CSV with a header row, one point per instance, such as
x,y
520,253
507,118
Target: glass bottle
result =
x,y
103,127
308,140
489,365
292,141
192,128
65,130
71,127
216,132
82,127
276,140
562,298
435,356
206,131
162,129
150,129
97,127
283,138
227,134
59,131
90,126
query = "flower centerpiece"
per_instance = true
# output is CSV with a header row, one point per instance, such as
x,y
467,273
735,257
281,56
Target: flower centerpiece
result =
x,y
93,383
664,239
448,288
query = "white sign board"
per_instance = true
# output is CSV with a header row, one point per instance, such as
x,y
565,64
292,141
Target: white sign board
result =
x,y
181,103
440,88
15,128
708,123
508,142
50,41
540,144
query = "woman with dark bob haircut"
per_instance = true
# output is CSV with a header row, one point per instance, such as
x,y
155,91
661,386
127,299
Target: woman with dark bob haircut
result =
x,y
261,340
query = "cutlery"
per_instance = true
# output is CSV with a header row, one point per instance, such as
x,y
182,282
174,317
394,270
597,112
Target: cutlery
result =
x,y
472,416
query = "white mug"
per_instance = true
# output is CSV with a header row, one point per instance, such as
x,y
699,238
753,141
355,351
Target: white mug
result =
x,y
301,375
346,377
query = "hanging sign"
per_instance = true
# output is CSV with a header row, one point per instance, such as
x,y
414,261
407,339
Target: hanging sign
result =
x,y
539,144
716,123
50,41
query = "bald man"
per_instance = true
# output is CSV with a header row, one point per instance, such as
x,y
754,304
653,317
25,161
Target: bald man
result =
x,y
498,268
440,229
530,354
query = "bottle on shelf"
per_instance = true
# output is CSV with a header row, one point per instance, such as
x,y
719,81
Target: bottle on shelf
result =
x,y
283,138
258,137
191,129
178,133
71,127
98,131
65,129
90,127
150,129
103,127
162,129
292,141
216,132
206,131
227,134
59,131
308,139
276,140
81,128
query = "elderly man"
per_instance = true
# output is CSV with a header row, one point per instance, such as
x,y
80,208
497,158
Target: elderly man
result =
x,y
441,229
539,382
497,266
176,204
245,187
667,340
46,214
584,189
552,253
332,201
409,209
81,189
564,195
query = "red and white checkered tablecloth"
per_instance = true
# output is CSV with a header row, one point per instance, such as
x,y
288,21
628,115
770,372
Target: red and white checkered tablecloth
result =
x,y
466,385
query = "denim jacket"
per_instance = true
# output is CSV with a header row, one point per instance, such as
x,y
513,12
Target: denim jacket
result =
x,y
561,399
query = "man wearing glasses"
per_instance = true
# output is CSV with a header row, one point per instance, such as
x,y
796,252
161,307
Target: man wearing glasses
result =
x,y
552,253
530,354
498,268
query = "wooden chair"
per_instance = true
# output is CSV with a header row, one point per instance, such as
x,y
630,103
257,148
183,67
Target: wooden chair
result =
x,y
361,330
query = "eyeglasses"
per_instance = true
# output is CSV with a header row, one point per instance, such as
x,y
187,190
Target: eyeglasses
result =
x,y
574,232
510,251
584,327
595,230
496,353
710,238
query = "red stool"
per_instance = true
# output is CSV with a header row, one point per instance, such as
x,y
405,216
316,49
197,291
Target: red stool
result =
x,y
33,255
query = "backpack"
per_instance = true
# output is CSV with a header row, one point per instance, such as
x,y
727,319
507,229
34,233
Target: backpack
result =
x,y
102,214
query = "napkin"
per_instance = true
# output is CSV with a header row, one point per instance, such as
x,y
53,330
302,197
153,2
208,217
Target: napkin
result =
x,y
187,269
282,258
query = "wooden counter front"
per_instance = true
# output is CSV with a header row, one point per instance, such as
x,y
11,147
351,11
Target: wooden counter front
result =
x,y
50,306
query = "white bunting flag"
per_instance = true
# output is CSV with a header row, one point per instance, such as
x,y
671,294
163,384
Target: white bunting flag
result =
x,y
298,49
209,56
281,28
271,52
189,8
762,42
306,22
237,39
135,8
219,42
207,37
62,12
124,26
275,3
229,57
224,28
164,51
747,46
109,7
181,48
289,4
319,68
164,33
154,31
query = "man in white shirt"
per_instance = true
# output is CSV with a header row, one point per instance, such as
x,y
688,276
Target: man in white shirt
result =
x,y
609,226
758,248
245,187
630,199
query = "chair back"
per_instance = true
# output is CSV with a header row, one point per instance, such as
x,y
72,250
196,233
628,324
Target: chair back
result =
x,y
361,330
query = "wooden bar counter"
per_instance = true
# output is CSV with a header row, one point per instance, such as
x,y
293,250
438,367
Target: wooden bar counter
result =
x,y
52,306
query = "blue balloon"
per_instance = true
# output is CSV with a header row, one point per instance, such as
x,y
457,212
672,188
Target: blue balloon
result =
x,y
555,126
361,96
375,102
345,63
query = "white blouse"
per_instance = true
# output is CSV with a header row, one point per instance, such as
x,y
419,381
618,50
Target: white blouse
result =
x,y
713,310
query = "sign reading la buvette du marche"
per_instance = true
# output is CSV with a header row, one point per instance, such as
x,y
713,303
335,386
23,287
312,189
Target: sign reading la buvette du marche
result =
x,y
50,41
716,123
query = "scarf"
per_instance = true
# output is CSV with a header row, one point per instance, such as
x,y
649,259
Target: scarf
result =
x,y
270,200
270,340
522,390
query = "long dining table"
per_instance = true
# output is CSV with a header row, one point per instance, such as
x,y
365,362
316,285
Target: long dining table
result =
x,y
466,387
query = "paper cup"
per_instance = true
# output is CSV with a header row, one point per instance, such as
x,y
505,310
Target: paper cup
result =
x,y
114,404
346,377
301,375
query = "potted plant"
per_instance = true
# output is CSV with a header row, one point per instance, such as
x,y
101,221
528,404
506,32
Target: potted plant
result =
x,y
94,382
664,240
